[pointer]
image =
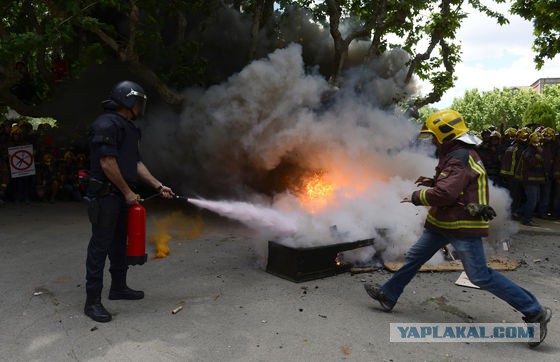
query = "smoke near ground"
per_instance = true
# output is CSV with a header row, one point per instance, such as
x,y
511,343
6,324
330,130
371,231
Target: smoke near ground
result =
x,y
251,147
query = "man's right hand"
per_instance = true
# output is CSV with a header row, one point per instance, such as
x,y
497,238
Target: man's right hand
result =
x,y
132,198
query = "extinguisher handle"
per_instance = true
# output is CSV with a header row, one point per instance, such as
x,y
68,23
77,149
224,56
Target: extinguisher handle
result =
x,y
149,197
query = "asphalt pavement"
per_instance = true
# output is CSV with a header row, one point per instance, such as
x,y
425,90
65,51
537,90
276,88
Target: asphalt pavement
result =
x,y
232,309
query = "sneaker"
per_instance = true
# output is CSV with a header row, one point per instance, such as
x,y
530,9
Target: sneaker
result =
x,y
376,293
543,317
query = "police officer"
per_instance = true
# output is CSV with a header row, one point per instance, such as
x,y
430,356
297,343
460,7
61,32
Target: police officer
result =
x,y
115,169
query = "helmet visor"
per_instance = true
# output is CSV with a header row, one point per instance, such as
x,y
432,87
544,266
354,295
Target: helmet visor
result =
x,y
141,100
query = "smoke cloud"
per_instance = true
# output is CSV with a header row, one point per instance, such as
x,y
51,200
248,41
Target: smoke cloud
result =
x,y
247,145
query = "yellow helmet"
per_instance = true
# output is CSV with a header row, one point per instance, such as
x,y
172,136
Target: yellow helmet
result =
x,y
548,134
510,133
535,139
68,156
48,158
446,125
495,134
523,134
16,131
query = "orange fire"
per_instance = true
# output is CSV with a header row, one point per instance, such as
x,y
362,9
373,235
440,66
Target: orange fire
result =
x,y
316,192
320,189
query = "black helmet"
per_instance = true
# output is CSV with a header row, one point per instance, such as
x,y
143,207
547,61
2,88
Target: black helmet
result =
x,y
127,94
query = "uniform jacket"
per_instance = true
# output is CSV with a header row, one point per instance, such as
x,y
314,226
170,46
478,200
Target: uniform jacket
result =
x,y
531,166
510,159
113,135
459,180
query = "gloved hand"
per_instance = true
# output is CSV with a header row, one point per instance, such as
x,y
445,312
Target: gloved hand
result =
x,y
484,211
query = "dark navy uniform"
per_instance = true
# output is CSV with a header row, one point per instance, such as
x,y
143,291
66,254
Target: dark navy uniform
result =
x,y
110,135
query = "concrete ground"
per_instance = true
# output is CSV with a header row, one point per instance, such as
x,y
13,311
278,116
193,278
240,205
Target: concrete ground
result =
x,y
233,309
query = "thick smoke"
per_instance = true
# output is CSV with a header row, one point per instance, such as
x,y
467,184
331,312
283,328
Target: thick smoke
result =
x,y
250,140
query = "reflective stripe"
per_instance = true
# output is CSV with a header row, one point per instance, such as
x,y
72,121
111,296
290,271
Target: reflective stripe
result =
x,y
422,197
458,224
511,170
481,181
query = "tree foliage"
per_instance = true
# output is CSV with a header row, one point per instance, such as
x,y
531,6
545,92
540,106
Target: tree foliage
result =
x,y
508,107
540,113
175,44
544,14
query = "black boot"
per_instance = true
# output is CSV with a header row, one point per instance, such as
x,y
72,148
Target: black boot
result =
x,y
119,290
96,311
125,293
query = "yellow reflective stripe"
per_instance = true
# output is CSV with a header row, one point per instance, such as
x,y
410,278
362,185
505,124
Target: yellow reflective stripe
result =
x,y
506,173
513,161
511,170
422,197
481,180
458,224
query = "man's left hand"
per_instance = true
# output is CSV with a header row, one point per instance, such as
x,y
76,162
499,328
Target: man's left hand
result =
x,y
166,192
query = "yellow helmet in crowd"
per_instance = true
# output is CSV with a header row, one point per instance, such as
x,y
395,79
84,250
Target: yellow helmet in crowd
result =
x,y
48,158
16,131
510,133
446,125
495,134
535,138
548,134
523,134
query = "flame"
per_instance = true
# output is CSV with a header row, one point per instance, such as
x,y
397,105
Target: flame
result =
x,y
316,192
319,189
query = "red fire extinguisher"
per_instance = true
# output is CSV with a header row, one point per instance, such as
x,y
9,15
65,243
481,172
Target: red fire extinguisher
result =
x,y
136,244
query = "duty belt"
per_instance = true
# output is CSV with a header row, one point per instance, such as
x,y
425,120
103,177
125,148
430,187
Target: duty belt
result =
x,y
101,188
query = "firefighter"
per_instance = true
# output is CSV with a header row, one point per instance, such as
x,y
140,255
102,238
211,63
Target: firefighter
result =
x,y
115,169
459,215
491,151
510,162
508,137
549,146
532,176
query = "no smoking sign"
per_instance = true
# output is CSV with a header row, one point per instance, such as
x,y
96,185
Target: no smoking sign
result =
x,y
21,161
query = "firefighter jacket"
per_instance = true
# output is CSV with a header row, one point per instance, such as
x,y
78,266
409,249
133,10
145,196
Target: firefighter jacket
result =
x,y
491,156
510,159
460,179
556,167
549,152
531,166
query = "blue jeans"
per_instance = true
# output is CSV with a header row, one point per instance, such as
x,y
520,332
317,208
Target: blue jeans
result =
x,y
471,253
532,195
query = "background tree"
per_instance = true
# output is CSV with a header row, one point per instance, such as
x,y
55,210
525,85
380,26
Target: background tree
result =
x,y
506,107
176,44
426,30
544,14
551,96
540,113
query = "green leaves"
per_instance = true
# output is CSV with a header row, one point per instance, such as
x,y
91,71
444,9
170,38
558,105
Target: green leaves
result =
x,y
509,107
544,15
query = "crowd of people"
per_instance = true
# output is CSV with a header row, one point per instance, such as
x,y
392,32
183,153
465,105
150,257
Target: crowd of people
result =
x,y
526,161
58,168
